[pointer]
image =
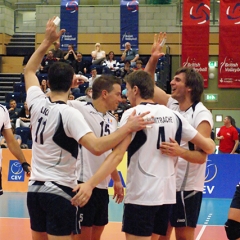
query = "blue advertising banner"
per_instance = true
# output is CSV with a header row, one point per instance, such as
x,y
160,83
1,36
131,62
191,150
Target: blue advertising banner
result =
x,y
69,21
129,23
15,173
222,175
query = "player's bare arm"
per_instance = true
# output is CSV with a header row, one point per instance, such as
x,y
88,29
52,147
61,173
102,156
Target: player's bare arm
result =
x,y
159,95
51,35
111,162
100,145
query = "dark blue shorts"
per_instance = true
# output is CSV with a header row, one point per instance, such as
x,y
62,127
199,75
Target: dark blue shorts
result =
x,y
142,220
95,212
236,198
186,210
50,209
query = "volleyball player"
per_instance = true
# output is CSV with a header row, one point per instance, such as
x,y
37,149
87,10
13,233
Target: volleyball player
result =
x,y
151,183
106,96
187,88
57,129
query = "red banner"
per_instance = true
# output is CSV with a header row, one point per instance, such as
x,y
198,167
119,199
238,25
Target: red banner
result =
x,y
195,36
229,47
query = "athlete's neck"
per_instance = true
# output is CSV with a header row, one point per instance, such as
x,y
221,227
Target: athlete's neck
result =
x,y
141,100
184,105
58,96
99,106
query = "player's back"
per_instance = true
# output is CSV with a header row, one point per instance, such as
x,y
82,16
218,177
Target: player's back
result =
x,y
149,171
55,132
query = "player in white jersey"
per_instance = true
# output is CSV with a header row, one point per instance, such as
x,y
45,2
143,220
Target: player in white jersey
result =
x,y
57,129
106,96
151,174
6,131
187,88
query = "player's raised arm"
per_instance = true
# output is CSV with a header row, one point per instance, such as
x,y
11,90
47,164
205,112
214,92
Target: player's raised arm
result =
x,y
159,40
51,35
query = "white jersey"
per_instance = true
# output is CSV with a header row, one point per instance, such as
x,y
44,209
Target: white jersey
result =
x,y
102,125
4,123
151,178
56,130
191,176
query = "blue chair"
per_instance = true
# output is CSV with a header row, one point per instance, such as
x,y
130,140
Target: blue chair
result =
x,y
19,87
24,132
14,95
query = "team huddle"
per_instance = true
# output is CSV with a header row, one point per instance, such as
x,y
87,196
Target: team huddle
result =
x,y
77,147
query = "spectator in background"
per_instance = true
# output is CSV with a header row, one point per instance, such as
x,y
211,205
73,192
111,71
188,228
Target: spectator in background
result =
x,y
130,54
71,97
87,97
139,65
47,62
24,117
79,65
17,137
44,86
124,71
98,55
71,55
228,136
110,65
57,52
94,76
13,112
233,122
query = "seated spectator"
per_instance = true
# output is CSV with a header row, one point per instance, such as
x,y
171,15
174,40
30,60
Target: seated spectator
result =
x,y
110,65
13,112
57,52
79,65
124,71
98,55
44,86
3,142
139,65
47,62
71,97
71,55
130,54
87,97
94,76
24,117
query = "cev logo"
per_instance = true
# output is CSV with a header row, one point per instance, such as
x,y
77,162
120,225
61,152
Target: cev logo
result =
x,y
16,168
202,12
72,6
234,15
211,172
15,172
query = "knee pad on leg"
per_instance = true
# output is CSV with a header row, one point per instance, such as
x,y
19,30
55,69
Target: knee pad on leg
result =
x,y
232,229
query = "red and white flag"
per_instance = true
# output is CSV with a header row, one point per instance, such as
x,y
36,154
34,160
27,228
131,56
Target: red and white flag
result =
x,y
229,47
195,36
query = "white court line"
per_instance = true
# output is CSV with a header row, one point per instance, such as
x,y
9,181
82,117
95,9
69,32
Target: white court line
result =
x,y
201,232
203,227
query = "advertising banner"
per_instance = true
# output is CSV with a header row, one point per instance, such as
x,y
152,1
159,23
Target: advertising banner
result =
x,y
229,47
129,23
195,36
222,175
69,22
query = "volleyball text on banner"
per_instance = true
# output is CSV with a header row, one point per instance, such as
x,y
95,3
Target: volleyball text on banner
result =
x,y
229,48
69,22
195,36
129,23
